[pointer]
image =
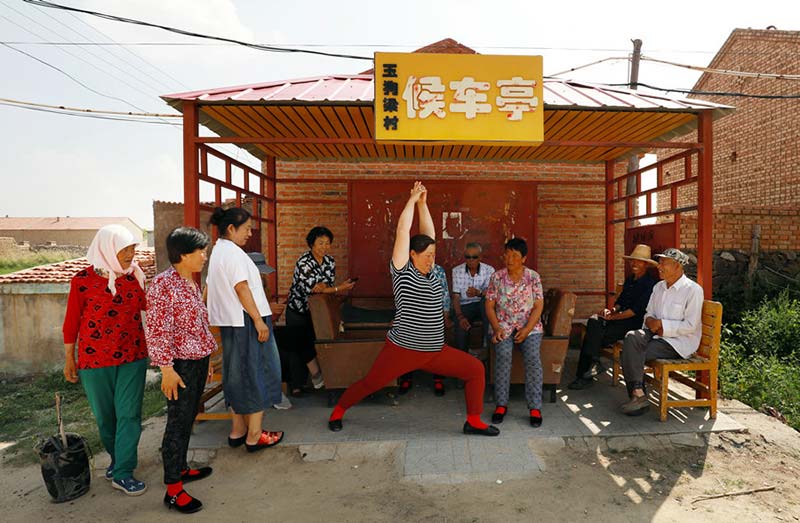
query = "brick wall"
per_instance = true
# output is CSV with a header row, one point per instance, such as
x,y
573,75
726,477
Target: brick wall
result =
x,y
571,230
756,150
733,228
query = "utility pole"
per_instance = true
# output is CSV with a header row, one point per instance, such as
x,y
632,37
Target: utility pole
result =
x,y
633,80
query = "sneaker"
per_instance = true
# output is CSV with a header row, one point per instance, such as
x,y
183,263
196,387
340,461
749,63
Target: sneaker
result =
x,y
285,404
317,380
596,369
130,486
109,475
581,383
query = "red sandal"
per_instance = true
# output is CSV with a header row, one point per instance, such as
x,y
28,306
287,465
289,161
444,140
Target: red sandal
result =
x,y
267,439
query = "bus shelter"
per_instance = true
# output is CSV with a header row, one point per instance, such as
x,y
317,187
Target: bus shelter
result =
x,y
319,133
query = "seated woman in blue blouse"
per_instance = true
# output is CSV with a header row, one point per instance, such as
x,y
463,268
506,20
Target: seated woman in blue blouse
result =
x,y
314,273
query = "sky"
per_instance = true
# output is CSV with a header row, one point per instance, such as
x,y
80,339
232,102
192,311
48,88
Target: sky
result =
x,y
56,165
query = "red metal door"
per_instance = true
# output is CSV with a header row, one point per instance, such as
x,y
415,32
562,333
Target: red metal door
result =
x,y
462,212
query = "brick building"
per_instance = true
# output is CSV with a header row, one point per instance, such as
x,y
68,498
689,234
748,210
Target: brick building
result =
x,y
756,149
62,230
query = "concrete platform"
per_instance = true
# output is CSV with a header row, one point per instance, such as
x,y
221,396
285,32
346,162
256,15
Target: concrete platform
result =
x,y
437,452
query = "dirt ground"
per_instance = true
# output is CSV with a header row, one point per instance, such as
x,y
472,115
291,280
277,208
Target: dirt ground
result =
x,y
364,483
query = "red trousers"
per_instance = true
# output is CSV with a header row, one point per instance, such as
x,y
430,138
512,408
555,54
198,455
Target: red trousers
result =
x,y
394,361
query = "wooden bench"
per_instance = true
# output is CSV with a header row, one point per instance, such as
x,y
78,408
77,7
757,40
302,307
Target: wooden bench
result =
x,y
214,386
344,354
704,362
559,307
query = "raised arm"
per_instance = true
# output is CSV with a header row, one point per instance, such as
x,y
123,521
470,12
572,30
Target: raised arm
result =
x,y
402,238
425,220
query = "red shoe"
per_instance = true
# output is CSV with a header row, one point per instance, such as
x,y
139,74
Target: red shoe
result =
x,y
404,387
267,439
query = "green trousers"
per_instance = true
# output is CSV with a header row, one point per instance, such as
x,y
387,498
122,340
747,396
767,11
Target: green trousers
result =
x,y
115,395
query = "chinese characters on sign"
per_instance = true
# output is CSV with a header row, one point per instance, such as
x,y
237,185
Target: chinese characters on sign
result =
x,y
390,89
421,97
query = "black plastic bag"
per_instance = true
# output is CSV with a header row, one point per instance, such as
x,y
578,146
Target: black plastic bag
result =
x,y
66,463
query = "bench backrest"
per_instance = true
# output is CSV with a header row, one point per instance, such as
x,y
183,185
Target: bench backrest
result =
x,y
712,328
326,315
559,307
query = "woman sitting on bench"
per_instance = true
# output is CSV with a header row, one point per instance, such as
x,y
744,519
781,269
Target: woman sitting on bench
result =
x,y
416,339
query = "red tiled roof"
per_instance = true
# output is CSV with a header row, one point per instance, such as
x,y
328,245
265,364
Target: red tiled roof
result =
x,y
53,223
446,46
62,272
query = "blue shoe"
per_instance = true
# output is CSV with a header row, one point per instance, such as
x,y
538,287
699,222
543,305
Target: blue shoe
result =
x,y
110,471
130,486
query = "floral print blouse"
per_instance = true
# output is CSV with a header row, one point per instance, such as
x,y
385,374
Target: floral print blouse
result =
x,y
514,300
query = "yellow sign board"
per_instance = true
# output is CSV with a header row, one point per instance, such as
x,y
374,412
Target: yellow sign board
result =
x,y
458,97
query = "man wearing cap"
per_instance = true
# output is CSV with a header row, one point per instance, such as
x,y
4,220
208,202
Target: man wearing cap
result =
x,y
610,325
672,327
470,281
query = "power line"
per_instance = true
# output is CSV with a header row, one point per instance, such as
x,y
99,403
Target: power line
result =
x,y
67,74
236,150
82,115
126,102
114,42
710,93
44,3
728,72
572,69
90,52
382,46
94,111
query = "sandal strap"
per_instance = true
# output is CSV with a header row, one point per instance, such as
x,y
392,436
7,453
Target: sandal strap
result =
x,y
173,500
270,437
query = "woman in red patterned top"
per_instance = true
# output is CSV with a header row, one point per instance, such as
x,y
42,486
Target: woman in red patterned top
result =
x,y
104,317
180,342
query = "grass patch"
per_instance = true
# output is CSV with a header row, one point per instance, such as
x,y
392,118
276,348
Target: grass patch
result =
x,y
27,413
760,357
17,262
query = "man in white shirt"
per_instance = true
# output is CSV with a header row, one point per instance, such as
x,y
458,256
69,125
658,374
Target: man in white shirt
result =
x,y
672,327
470,281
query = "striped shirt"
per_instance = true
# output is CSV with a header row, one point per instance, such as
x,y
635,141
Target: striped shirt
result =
x,y
418,321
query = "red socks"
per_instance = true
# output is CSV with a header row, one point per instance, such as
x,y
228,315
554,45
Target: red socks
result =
x,y
501,409
174,488
337,414
475,421
536,413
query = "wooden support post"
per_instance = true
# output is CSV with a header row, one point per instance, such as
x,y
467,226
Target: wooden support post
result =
x,y
610,244
705,211
705,218
191,183
272,227
752,265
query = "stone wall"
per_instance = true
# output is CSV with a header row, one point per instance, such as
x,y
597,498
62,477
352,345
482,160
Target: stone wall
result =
x,y
31,316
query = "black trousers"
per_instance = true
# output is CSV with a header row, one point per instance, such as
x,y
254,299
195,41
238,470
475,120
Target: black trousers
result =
x,y
180,416
296,346
602,333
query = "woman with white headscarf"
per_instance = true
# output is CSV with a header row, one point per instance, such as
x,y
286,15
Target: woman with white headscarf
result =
x,y
104,317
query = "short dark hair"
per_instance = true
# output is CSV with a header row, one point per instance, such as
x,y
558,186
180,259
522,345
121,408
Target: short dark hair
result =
x,y
420,242
517,244
318,232
235,216
185,240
